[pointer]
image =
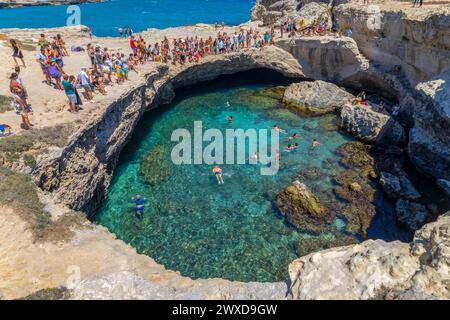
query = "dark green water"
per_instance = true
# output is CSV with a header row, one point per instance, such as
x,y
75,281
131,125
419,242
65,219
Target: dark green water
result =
x,y
203,230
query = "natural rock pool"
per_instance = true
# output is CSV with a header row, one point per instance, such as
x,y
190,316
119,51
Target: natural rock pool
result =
x,y
233,231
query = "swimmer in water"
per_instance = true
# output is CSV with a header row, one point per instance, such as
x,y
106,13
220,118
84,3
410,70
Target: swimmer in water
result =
x,y
227,104
294,136
230,119
289,148
139,204
295,146
315,144
218,173
277,128
254,157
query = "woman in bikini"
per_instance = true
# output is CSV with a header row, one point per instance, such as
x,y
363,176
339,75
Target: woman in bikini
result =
x,y
17,52
61,44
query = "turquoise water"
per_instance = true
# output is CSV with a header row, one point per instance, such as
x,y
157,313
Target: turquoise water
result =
x,y
203,230
106,17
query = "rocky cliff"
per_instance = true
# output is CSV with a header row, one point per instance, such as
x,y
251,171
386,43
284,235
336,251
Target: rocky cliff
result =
x,y
379,270
429,139
401,37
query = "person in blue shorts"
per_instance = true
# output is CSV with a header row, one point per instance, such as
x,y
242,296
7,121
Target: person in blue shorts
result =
x,y
139,204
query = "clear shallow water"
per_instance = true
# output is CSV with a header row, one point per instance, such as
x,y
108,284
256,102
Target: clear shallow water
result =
x,y
106,17
203,230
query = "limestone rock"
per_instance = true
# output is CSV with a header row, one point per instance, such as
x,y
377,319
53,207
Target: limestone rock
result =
x,y
128,286
258,12
398,186
444,185
377,269
318,97
392,133
311,12
393,37
354,272
408,190
303,209
413,214
363,122
429,140
390,184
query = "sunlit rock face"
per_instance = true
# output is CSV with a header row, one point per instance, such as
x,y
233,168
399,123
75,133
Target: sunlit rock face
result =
x,y
429,139
400,37
377,269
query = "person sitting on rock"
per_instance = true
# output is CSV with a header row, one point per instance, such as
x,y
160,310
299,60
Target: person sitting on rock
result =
x,y
360,98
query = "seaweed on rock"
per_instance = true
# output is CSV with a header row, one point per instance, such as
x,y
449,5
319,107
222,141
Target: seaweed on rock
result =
x,y
356,188
154,167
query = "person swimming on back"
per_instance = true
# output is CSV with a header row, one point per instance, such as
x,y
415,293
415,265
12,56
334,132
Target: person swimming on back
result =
x,y
218,173
277,128
292,147
315,144
139,204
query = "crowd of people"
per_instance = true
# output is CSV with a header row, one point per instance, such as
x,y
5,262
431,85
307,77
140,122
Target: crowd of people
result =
x,y
192,49
108,68
319,27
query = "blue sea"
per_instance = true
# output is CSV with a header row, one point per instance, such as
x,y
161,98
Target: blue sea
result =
x,y
106,17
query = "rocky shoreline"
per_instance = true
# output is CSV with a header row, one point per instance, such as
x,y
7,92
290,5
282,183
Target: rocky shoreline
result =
x,y
76,177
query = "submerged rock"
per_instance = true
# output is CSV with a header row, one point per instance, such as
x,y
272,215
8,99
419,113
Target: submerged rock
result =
x,y
356,154
154,167
356,188
363,122
330,123
316,98
311,173
303,209
412,214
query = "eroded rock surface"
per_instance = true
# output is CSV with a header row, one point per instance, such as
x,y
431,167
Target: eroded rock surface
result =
x,y
363,122
429,140
377,269
317,97
303,209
